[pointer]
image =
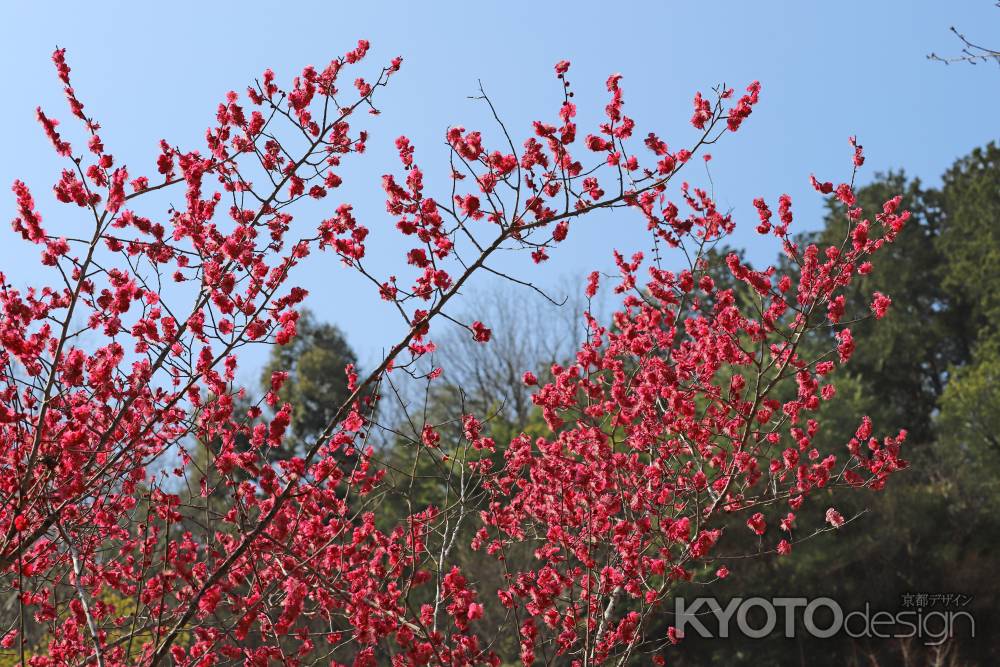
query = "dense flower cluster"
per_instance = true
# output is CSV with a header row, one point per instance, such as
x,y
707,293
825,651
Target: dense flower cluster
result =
x,y
690,405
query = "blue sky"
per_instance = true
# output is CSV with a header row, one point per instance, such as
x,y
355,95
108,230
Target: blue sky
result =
x,y
828,70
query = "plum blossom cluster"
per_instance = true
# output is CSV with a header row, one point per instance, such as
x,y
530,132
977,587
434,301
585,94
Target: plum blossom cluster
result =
x,y
689,406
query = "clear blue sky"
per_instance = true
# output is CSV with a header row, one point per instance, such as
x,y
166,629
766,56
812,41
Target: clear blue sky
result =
x,y
829,70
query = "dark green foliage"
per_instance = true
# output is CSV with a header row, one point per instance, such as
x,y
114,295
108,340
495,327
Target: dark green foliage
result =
x,y
931,366
317,384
